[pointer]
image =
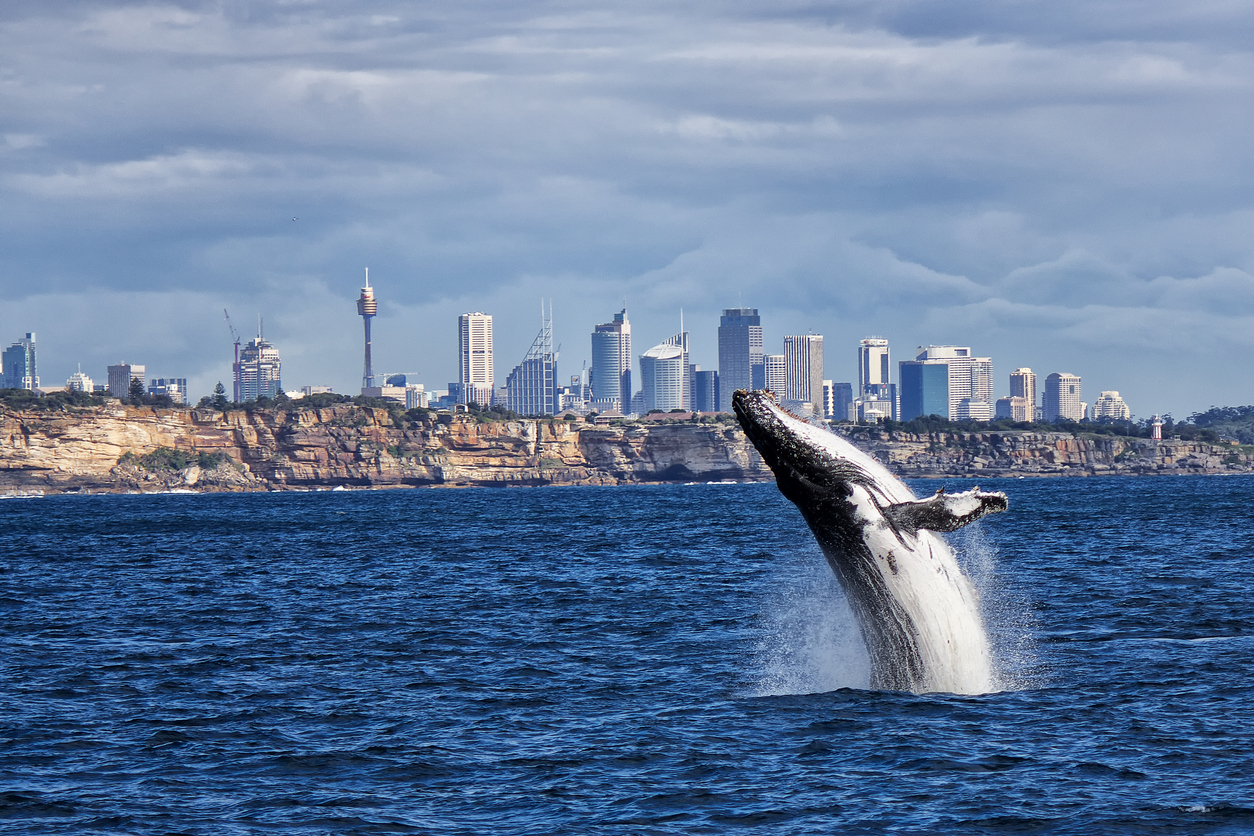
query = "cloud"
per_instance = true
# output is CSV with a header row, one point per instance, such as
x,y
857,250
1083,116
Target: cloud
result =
x,y
1055,183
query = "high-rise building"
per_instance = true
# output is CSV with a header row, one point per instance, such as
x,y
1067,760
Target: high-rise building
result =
x,y
837,401
874,368
681,341
967,384
1063,397
740,358
1023,385
80,382
531,388
258,374
875,379
803,359
1112,407
175,388
1015,408
474,351
120,376
704,390
663,377
611,365
367,307
18,369
775,374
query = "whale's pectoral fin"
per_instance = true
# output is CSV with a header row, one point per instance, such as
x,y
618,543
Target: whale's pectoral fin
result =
x,y
945,512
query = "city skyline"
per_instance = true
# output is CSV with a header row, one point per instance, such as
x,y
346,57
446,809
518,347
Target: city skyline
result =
x,y
1007,177
798,376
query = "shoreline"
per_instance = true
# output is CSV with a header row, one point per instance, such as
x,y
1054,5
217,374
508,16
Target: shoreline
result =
x,y
122,449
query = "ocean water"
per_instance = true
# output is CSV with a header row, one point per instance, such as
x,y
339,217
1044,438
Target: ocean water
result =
x,y
652,660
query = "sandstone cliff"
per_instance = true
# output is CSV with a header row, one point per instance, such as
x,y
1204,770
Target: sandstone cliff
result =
x,y
119,448
102,448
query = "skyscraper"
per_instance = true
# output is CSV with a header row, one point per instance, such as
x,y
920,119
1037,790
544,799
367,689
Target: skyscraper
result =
x,y
968,384
681,341
257,374
611,364
474,350
875,376
775,374
367,308
740,358
120,376
1063,397
704,389
17,365
664,377
803,361
924,386
531,388
1023,385
874,366
1111,406
837,401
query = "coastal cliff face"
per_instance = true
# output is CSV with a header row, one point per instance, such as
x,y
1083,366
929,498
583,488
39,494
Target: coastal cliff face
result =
x,y
102,448
1048,454
105,449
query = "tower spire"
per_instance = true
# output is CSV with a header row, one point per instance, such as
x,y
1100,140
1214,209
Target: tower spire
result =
x,y
367,307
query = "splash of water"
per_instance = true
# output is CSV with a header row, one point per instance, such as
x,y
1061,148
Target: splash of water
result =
x,y
811,642
1007,616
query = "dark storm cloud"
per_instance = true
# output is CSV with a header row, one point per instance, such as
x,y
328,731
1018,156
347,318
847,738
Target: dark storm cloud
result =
x,y
1059,185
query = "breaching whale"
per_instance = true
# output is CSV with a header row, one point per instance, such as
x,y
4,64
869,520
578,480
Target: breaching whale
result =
x,y
916,609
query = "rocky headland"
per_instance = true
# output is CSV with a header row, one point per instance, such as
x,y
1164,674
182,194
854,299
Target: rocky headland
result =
x,y
117,448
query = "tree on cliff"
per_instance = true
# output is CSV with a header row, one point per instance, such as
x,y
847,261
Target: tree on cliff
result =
x,y
219,397
137,391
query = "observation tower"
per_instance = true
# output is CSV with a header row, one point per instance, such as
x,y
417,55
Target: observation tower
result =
x,y
367,308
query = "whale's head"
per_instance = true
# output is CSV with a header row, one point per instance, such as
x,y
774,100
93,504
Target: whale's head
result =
x,y
804,459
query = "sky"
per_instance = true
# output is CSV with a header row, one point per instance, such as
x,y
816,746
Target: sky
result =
x,y
1061,185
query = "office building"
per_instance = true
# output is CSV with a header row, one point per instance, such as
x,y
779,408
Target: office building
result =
x,y
838,401
120,377
1023,385
875,378
705,394
774,374
740,358
474,351
175,388
1111,407
18,368
80,382
663,377
531,388
1063,400
611,365
1015,408
946,380
258,374
803,361
367,307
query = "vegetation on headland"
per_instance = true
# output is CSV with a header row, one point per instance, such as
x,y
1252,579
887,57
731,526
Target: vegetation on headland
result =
x,y
1197,428
167,458
1217,424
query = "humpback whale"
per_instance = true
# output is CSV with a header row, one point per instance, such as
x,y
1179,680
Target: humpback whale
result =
x,y
916,610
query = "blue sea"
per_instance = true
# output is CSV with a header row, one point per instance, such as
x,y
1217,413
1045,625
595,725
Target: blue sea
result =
x,y
633,660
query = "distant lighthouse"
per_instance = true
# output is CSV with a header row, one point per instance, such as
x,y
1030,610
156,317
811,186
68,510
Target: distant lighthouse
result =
x,y
367,308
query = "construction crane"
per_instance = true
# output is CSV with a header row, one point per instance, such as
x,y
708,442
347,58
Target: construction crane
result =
x,y
234,368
